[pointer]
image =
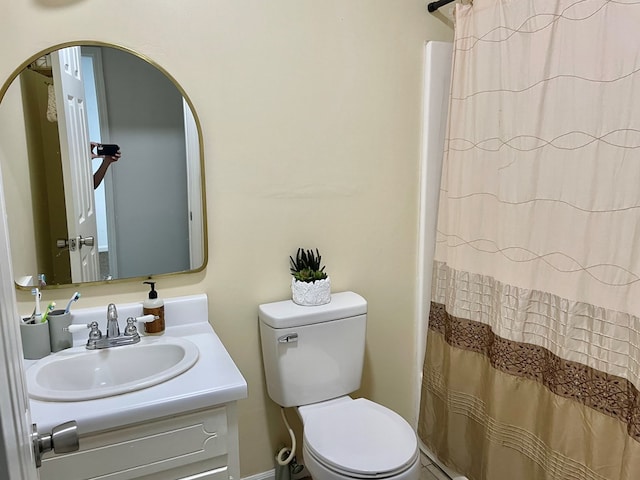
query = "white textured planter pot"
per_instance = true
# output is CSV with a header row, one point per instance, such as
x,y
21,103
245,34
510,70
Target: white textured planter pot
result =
x,y
311,293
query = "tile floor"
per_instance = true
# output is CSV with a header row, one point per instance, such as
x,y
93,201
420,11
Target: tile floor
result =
x,y
430,471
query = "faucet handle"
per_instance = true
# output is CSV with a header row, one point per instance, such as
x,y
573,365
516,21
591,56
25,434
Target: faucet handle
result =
x,y
146,318
95,332
76,328
131,329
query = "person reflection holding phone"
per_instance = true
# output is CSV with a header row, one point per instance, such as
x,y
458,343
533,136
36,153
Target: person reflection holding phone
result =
x,y
106,161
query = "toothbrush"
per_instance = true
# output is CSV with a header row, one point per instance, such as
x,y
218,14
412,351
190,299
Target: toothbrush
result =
x,y
50,308
74,298
36,311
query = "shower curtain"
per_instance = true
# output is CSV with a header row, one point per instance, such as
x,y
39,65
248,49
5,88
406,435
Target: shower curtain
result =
x,y
532,368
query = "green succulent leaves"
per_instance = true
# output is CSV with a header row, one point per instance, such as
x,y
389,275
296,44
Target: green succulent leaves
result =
x,y
306,266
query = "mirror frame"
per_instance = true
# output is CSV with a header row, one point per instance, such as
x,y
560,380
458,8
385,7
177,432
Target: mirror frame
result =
x,y
93,43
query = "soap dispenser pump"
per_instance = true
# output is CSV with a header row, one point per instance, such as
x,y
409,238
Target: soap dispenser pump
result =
x,y
153,306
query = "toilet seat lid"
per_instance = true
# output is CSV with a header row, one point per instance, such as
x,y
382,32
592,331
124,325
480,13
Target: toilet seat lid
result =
x,y
360,438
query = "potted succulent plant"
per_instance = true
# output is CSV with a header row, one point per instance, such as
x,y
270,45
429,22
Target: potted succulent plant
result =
x,y
310,284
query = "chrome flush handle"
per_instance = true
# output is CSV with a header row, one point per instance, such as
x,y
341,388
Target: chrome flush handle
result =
x,y
289,338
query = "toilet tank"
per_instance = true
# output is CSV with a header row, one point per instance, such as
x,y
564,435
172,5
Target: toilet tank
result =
x,y
313,354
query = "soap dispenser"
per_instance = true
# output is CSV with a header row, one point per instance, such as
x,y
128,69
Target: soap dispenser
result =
x,y
153,306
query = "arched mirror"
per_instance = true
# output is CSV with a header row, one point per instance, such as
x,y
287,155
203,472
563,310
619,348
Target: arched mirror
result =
x,y
145,216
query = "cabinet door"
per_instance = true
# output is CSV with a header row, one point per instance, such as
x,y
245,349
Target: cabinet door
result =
x,y
186,447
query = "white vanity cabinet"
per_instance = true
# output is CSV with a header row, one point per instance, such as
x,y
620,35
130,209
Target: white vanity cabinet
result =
x,y
201,445
185,427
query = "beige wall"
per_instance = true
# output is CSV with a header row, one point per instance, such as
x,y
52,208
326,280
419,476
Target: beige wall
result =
x,y
16,178
311,113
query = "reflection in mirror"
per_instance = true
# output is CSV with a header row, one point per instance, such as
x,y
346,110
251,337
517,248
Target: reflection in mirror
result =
x,y
145,217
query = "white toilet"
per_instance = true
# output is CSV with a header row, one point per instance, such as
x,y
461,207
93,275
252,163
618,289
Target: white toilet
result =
x,y
313,359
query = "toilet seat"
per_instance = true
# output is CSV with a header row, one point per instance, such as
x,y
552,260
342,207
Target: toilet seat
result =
x,y
360,439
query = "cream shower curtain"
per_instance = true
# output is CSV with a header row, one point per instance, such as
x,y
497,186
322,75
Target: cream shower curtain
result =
x,y
532,368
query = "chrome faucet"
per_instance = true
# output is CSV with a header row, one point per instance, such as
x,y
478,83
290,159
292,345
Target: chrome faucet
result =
x,y
113,329
113,338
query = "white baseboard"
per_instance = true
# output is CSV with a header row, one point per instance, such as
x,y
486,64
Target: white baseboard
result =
x,y
268,475
271,475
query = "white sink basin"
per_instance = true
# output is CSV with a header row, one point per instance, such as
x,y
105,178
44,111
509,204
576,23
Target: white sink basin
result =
x,y
78,374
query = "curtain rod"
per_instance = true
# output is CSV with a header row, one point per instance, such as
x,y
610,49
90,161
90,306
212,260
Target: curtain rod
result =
x,y
433,6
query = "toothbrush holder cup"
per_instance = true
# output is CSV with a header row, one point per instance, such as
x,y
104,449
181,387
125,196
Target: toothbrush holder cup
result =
x,y
35,340
59,338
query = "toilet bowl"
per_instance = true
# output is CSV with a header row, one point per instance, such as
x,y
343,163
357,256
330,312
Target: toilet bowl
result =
x,y
313,358
346,438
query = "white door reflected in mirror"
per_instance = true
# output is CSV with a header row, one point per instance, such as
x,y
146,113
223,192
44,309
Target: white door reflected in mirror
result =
x,y
73,129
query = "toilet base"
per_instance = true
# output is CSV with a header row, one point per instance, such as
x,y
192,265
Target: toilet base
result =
x,y
319,472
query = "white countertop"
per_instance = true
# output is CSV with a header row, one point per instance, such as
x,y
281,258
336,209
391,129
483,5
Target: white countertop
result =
x,y
213,380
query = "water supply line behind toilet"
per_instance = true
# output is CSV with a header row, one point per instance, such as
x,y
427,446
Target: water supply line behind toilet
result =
x,y
285,458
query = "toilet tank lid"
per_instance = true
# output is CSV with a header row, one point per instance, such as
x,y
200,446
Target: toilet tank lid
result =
x,y
287,314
